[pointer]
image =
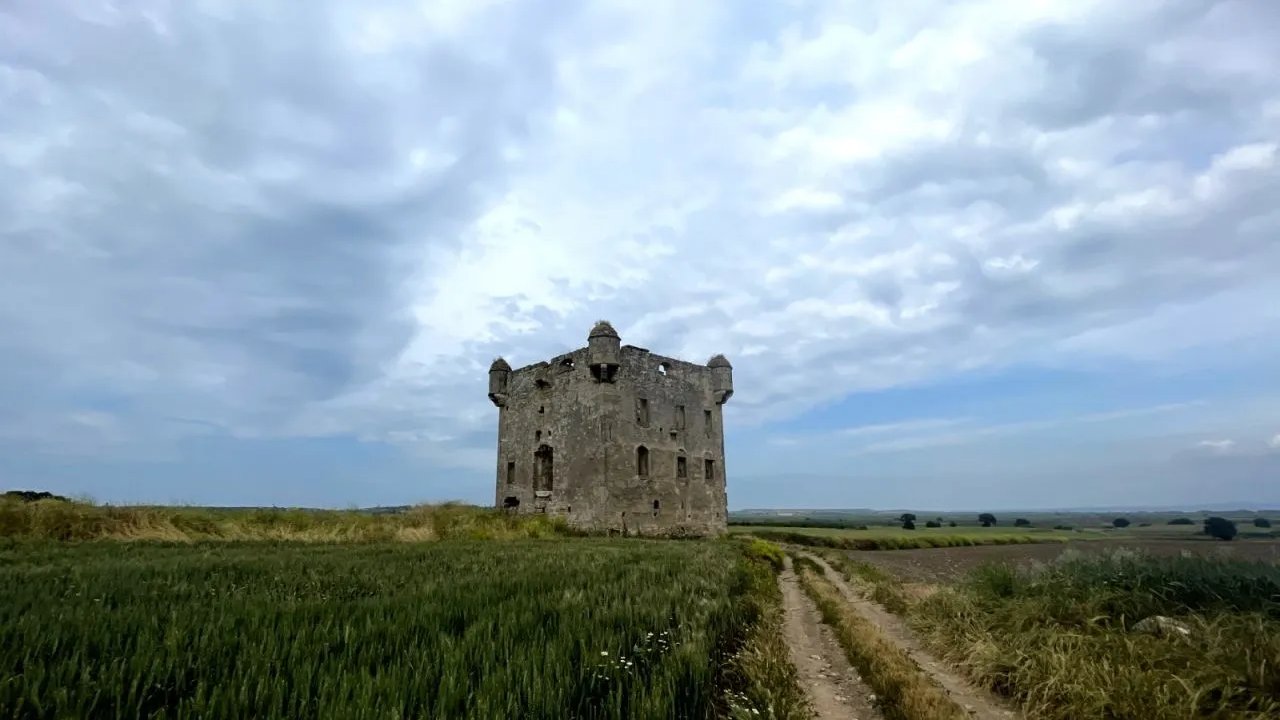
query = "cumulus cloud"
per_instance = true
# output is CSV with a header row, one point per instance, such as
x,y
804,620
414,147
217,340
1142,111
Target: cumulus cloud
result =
x,y
264,221
1217,446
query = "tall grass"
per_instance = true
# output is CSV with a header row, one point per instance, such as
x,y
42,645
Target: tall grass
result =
x,y
762,682
566,629
850,541
62,520
1061,639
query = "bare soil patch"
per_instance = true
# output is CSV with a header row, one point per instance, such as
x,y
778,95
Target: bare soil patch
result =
x,y
945,565
832,684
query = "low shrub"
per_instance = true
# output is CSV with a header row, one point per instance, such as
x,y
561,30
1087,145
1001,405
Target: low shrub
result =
x,y
1220,528
758,549
1182,521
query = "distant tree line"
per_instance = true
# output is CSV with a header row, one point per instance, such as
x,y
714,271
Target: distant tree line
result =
x,y
31,496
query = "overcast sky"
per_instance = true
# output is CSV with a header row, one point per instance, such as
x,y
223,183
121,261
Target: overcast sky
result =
x,y
962,255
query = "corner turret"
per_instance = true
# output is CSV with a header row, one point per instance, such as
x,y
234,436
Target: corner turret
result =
x,y
604,351
499,374
721,378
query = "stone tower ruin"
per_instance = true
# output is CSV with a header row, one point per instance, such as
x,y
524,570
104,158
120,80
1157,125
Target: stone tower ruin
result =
x,y
613,437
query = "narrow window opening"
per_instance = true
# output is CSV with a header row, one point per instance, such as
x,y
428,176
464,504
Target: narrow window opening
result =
x,y
706,422
537,436
656,507
542,409
544,461
662,368
679,417
682,467
511,472
642,412
709,469
642,461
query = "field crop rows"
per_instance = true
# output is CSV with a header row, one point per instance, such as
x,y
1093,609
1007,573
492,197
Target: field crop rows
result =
x,y
538,629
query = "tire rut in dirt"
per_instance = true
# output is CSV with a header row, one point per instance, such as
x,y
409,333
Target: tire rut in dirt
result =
x,y
833,686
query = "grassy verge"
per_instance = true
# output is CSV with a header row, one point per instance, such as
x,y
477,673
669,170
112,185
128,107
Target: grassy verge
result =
x,y
574,628
872,540
68,521
761,682
906,692
1062,640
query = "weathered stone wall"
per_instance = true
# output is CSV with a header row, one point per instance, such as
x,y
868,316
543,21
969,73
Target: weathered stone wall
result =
x,y
569,444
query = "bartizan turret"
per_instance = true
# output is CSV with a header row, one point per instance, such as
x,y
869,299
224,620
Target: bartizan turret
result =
x,y
721,378
604,351
499,377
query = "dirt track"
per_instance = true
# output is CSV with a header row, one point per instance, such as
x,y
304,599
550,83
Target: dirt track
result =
x,y
978,703
835,690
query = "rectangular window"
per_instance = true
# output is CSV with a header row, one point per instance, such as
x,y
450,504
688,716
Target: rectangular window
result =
x,y
642,412
682,467
544,461
709,469
679,417
511,473
706,422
